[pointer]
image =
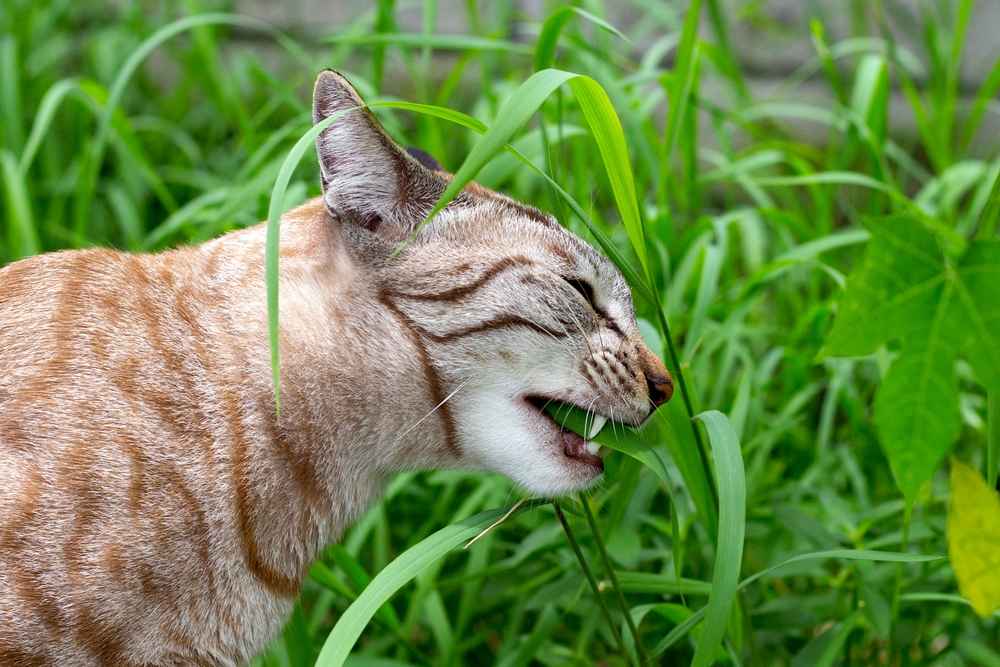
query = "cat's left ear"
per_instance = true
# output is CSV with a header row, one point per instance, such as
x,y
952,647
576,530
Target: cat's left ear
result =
x,y
367,178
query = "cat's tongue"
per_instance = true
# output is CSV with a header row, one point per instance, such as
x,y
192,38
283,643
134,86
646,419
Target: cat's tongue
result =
x,y
575,447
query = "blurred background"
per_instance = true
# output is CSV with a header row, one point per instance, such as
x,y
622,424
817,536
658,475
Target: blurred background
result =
x,y
762,137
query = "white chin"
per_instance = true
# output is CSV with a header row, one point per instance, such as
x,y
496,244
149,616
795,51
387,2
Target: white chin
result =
x,y
524,446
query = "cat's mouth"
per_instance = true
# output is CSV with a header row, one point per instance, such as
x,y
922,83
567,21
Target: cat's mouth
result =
x,y
574,446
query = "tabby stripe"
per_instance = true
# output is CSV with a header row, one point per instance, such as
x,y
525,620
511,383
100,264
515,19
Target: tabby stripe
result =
x,y
47,380
28,582
172,410
201,534
499,322
464,290
430,373
299,463
16,657
276,582
105,642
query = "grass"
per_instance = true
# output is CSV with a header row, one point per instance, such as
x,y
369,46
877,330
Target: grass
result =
x,y
774,534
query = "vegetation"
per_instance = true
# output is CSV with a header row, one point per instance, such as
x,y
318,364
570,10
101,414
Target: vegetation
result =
x,y
830,299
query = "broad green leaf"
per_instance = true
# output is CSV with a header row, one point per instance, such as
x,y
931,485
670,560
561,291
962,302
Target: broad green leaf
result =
x,y
974,538
909,291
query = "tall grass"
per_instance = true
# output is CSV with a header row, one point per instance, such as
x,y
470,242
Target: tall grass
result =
x,y
756,520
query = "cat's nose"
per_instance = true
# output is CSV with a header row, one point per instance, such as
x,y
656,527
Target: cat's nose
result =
x,y
659,384
660,388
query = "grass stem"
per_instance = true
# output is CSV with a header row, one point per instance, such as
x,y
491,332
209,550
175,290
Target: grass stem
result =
x,y
613,578
590,576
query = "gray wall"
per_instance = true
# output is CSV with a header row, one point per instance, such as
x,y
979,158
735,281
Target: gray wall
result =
x,y
770,47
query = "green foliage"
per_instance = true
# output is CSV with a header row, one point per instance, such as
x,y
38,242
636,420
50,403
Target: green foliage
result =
x,y
737,216
908,291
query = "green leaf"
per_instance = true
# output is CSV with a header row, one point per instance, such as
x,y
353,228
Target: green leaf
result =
x,y
731,482
974,538
406,567
909,291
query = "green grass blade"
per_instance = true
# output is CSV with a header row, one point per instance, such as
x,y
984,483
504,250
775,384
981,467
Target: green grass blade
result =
x,y
440,42
11,134
603,123
986,94
271,251
548,38
731,484
607,130
23,238
403,569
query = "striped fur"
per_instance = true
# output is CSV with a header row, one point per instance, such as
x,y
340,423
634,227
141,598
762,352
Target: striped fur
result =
x,y
154,509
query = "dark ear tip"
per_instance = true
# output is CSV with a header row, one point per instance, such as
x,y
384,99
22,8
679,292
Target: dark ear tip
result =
x,y
424,158
332,84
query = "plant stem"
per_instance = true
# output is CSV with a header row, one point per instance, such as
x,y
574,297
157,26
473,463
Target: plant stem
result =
x,y
898,589
590,576
686,397
613,578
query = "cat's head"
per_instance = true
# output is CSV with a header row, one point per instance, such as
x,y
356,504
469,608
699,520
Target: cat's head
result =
x,y
504,308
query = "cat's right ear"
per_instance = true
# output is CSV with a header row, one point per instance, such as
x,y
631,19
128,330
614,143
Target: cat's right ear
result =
x,y
367,178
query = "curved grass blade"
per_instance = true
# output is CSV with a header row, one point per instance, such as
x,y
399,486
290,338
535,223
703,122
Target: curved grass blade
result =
x,y
43,119
604,126
548,38
635,279
731,483
396,574
271,250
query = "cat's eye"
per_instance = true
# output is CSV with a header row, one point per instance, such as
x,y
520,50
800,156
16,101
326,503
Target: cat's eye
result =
x,y
584,288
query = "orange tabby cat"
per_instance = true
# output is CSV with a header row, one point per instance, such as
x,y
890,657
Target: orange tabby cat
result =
x,y
154,510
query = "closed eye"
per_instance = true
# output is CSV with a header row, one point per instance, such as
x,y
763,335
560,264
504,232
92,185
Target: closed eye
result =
x,y
584,288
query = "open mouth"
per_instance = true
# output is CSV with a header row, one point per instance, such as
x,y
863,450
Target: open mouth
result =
x,y
576,446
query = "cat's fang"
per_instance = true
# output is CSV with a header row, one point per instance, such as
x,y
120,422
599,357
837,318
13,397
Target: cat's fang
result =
x,y
596,426
592,448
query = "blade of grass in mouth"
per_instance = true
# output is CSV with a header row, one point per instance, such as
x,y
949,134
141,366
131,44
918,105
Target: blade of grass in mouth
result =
x,y
574,419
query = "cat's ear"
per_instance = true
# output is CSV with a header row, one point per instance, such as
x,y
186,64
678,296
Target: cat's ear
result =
x,y
367,178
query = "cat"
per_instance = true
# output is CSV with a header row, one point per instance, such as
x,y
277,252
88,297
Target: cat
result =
x,y
156,509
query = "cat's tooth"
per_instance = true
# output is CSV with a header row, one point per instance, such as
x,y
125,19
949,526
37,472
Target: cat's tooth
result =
x,y
596,427
592,448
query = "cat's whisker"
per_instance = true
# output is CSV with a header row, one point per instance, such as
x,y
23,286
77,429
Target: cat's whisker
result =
x,y
432,411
